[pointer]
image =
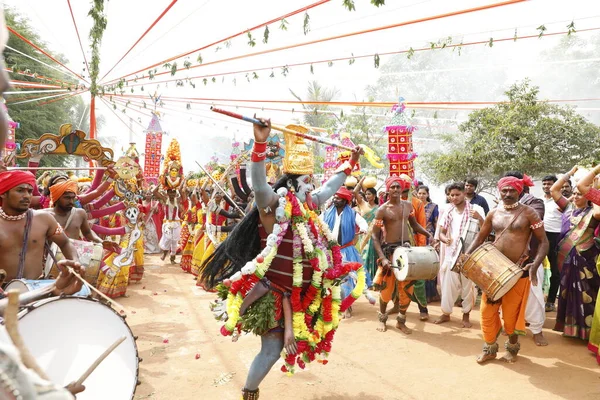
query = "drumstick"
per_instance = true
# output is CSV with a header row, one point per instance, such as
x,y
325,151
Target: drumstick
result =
x,y
11,322
93,289
92,367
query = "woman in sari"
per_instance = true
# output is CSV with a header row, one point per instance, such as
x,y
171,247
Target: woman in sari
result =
x,y
577,254
591,193
367,207
431,215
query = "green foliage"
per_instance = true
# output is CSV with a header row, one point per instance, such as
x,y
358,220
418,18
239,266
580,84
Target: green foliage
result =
x,y
571,28
260,316
283,25
378,3
266,35
306,26
523,134
376,60
199,58
36,119
349,4
96,33
251,40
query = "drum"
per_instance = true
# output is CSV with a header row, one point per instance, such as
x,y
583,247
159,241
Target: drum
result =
x,y
89,254
27,285
66,335
415,263
492,271
470,233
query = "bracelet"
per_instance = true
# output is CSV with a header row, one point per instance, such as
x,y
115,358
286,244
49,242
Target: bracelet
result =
x,y
345,167
259,151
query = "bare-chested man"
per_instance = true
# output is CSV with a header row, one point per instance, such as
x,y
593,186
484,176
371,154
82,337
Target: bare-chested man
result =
x,y
514,224
23,232
73,220
392,216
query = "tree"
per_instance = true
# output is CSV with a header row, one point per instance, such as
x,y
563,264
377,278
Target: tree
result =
x,y
523,134
36,119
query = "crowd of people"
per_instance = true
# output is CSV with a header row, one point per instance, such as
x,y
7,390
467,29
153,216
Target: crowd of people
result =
x,y
274,252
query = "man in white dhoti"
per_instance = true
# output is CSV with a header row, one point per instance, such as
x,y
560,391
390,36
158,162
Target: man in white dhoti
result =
x,y
171,229
454,226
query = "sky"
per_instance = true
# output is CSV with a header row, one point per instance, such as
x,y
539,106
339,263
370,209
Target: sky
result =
x,y
191,24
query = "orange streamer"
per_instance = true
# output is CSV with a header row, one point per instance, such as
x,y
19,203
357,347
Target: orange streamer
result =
x,y
318,3
141,37
345,35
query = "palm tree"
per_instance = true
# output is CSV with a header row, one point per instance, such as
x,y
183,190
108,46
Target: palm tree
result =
x,y
316,117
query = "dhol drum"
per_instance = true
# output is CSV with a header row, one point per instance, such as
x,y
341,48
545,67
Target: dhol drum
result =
x,y
27,285
67,334
89,254
492,271
415,263
470,233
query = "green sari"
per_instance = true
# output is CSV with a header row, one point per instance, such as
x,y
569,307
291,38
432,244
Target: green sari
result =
x,y
366,248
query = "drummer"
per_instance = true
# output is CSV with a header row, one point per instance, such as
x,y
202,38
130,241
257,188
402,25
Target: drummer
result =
x,y
73,220
393,216
23,232
515,224
455,223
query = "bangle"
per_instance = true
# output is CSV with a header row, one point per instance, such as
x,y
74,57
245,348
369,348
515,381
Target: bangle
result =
x,y
259,151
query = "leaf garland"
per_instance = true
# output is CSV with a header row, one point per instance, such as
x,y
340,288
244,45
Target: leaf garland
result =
x,y
571,28
96,33
306,23
376,60
542,29
349,4
251,40
266,35
283,25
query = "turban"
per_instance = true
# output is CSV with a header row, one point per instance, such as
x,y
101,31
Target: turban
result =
x,y
404,184
515,183
345,194
58,189
11,179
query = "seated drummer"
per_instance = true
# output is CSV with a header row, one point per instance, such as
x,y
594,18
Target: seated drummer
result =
x,y
394,216
23,234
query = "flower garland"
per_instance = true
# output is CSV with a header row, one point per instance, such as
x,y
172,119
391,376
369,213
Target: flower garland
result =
x,y
315,315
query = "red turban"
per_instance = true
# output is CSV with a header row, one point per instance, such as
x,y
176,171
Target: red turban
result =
x,y
404,184
11,179
515,183
58,189
345,194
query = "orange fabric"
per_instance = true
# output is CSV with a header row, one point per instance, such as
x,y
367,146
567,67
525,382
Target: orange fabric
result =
x,y
513,306
57,190
419,210
390,288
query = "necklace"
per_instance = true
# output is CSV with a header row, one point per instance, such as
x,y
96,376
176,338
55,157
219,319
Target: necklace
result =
x,y
7,217
512,206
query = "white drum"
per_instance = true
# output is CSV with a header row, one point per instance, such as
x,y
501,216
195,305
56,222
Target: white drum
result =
x,y
470,233
66,335
415,263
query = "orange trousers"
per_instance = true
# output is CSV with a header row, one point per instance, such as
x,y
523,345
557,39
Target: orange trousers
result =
x,y
513,306
391,289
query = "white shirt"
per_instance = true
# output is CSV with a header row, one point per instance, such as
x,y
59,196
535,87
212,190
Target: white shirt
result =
x,y
552,216
455,232
360,222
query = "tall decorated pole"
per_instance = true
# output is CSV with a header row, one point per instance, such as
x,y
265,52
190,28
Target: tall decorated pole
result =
x,y
400,146
152,160
96,33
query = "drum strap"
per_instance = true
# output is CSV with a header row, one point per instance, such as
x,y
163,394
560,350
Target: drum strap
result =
x,y
28,222
514,218
69,219
50,253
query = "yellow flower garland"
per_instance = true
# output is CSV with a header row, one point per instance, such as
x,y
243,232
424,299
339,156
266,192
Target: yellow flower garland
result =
x,y
233,310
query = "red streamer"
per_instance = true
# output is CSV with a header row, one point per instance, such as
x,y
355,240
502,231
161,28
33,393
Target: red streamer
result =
x,y
345,35
23,38
141,37
318,3
78,37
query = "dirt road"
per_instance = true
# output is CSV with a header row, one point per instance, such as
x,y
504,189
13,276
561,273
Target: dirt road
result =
x,y
435,362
